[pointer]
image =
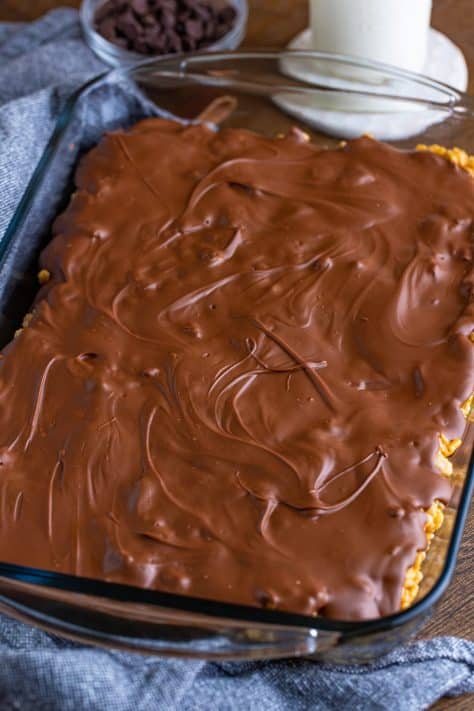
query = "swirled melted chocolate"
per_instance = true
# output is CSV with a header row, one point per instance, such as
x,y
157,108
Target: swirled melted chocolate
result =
x,y
234,383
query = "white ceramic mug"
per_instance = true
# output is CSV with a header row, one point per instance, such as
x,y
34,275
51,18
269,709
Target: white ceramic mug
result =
x,y
390,31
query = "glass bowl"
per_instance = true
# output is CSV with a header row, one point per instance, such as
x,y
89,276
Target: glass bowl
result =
x,y
116,56
126,617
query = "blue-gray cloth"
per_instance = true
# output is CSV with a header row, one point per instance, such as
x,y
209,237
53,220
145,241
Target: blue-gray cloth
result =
x,y
40,64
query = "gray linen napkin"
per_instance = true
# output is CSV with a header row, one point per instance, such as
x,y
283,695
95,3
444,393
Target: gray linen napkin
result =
x,y
41,64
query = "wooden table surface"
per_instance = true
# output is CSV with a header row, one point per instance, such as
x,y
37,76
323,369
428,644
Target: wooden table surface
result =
x,y
271,23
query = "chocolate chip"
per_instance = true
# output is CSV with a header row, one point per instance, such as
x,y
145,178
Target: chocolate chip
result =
x,y
123,42
139,7
141,46
103,12
220,31
168,19
209,30
227,14
129,27
203,12
149,20
194,28
174,41
163,26
152,39
108,29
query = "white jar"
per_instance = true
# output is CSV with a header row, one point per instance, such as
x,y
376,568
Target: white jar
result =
x,y
390,31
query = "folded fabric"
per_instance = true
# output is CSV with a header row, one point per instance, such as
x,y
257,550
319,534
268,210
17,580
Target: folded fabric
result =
x,y
40,65
40,672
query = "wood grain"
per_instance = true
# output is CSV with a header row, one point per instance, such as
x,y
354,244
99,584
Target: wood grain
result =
x,y
273,23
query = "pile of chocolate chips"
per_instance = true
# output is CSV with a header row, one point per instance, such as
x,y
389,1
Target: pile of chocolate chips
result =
x,y
164,26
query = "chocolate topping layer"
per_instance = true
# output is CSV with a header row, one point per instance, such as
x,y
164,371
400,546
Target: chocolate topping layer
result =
x,y
234,383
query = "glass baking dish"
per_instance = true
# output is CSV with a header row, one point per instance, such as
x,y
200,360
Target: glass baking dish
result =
x,y
267,92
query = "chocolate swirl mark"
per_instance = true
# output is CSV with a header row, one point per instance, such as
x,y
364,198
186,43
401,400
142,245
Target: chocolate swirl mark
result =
x,y
229,249
270,507
17,508
321,508
90,291
264,525
252,277
195,296
158,533
154,469
106,433
38,406
268,180
307,367
246,453
262,176
58,467
418,294
265,369
250,441
247,378
378,249
12,445
298,364
111,312
241,382
297,292
121,142
241,450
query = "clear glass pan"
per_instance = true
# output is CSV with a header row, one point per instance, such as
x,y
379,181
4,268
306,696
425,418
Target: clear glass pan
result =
x,y
267,92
